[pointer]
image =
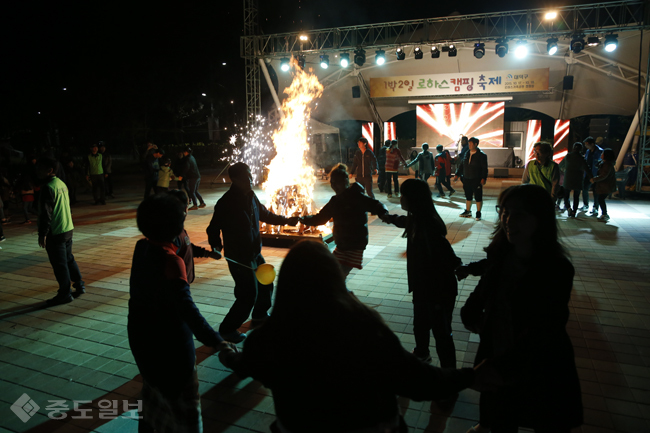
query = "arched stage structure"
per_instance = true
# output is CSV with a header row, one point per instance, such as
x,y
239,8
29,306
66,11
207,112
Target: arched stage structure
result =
x,y
578,80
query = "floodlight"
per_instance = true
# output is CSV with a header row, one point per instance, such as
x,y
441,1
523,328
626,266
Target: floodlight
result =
x,y
551,46
611,43
380,57
550,15
324,61
452,50
435,52
593,41
345,60
521,50
360,57
284,64
577,44
501,48
479,50
400,54
417,53
303,37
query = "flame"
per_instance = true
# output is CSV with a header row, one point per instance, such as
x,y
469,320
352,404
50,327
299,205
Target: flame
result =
x,y
291,179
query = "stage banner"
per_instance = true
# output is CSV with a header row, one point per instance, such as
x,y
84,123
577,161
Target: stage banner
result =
x,y
561,139
368,131
461,83
446,123
389,131
533,135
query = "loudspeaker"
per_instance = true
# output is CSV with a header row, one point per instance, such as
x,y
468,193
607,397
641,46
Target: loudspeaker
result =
x,y
356,92
568,83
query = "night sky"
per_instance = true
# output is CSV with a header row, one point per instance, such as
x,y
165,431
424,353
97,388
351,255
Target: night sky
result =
x,y
136,71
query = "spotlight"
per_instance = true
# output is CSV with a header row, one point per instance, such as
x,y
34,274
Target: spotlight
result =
x,y
400,54
380,57
301,62
521,50
593,41
417,53
550,15
324,61
284,64
360,57
577,44
345,60
452,51
303,37
501,48
551,46
479,50
435,52
611,43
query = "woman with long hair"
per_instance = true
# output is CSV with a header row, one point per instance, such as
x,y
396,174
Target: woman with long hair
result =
x,y
520,310
434,292
339,347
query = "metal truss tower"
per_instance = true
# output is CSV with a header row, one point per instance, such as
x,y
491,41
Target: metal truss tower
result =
x,y
644,140
250,52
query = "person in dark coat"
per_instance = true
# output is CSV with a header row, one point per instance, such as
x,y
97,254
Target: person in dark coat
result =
x,y
473,172
179,166
575,167
151,168
604,182
520,311
364,166
381,166
430,264
237,217
345,351
349,208
425,161
192,177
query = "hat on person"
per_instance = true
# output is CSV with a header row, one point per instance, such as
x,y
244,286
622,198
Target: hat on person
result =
x,y
599,140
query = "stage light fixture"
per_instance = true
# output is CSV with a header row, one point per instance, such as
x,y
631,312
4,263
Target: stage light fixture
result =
x,y
303,38
360,57
380,57
301,62
593,41
435,52
611,43
452,51
479,50
345,60
400,54
324,61
417,53
284,64
577,44
551,46
550,15
521,50
501,48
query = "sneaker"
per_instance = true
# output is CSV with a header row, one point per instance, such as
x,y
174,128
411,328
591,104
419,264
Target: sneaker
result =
x,y
572,214
466,214
593,212
397,194
2,238
78,292
389,195
193,208
478,216
202,205
58,300
452,192
6,221
234,336
426,358
441,196
26,222
603,218
584,208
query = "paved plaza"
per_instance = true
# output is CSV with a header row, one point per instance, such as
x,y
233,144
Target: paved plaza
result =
x,y
73,361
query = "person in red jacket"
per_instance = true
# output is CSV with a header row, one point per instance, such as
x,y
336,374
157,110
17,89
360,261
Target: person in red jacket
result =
x,y
393,158
443,171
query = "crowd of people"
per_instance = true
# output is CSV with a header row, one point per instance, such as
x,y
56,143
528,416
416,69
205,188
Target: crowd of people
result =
x,y
524,367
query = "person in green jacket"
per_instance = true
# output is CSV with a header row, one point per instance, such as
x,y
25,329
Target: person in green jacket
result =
x,y
55,232
95,174
543,171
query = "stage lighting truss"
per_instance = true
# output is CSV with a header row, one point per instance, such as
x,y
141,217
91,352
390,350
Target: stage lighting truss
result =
x,y
359,57
521,50
551,46
593,41
380,57
417,53
501,48
452,50
301,61
611,42
345,60
479,50
400,54
324,61
435,52
577,44
284,64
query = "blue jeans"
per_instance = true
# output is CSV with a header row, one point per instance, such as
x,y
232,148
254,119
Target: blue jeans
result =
x,y
59,251
193,190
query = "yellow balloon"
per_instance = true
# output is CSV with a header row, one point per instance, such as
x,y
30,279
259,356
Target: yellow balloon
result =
x,y
265,273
